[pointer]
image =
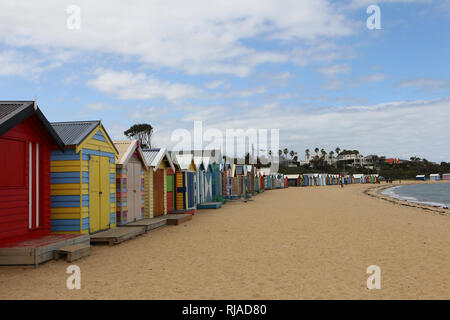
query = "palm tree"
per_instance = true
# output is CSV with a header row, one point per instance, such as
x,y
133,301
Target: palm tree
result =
x,y
292,154
331,153
338,150
307,153
285,151
316,150
323,152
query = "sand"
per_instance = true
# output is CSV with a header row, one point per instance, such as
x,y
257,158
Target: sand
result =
x,y
296,243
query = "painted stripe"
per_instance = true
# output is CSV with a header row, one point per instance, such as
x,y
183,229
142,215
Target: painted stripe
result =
x,y
71,174
37,185
85,224
30,185
99,136
99,153
112,217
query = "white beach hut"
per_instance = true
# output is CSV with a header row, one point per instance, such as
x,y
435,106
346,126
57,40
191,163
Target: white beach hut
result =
x,y
435,177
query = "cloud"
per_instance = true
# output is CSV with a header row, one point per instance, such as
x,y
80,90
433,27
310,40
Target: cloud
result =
x,y
426,85
398,128
375,77
214,84
16,63
140,86
99,106
334,70
196,37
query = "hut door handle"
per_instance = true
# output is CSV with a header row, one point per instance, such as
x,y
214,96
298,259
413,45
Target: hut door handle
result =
x,y
100,193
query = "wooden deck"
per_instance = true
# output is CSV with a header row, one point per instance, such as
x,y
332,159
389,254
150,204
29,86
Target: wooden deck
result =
x,y
176,219
148,224
38,250
209,205
187,211
116,235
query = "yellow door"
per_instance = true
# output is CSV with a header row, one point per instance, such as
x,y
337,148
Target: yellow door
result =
x,y
104,194
94,192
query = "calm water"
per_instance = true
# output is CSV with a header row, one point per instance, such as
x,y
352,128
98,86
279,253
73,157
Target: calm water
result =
x,y
431,194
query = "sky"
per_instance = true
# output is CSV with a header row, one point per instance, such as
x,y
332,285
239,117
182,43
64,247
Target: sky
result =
x,y
311,69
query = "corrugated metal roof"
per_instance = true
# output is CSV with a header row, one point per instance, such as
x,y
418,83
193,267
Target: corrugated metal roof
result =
x,y
74,132
150,155
10,108
14,112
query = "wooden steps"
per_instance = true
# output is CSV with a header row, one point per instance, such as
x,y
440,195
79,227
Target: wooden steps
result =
x,y
73,252
176,219
116,235
38,250
148,224
209,205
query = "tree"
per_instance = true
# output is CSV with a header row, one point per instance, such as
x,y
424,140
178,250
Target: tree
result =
x,y
285,151
338,150
316,150
142,132
323,152
307,153
292,154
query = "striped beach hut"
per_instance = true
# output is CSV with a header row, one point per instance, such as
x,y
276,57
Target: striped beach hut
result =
x,y
446,176
83,178
215,163
26,141
435,177
158,162
130,184
208,189
199,180
184,181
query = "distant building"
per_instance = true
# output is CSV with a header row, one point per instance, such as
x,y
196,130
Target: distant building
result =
x,y
393,161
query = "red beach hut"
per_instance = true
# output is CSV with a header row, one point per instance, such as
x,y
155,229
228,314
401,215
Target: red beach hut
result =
x,y
26,138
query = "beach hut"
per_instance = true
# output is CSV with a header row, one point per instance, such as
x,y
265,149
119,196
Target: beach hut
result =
x,y
158,162
184,182
170,189
446,176
216,176
421,177
199,180
435,177
293,180
83,182
26,141
130,184
358,178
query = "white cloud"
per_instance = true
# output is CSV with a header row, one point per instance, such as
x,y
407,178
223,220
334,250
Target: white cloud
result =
x,y
16,63
214,84
99,106
423,84
401,129
334,70
127,85
196,36
375,77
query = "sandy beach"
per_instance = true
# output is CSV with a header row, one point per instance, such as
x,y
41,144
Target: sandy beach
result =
x,y
296,243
